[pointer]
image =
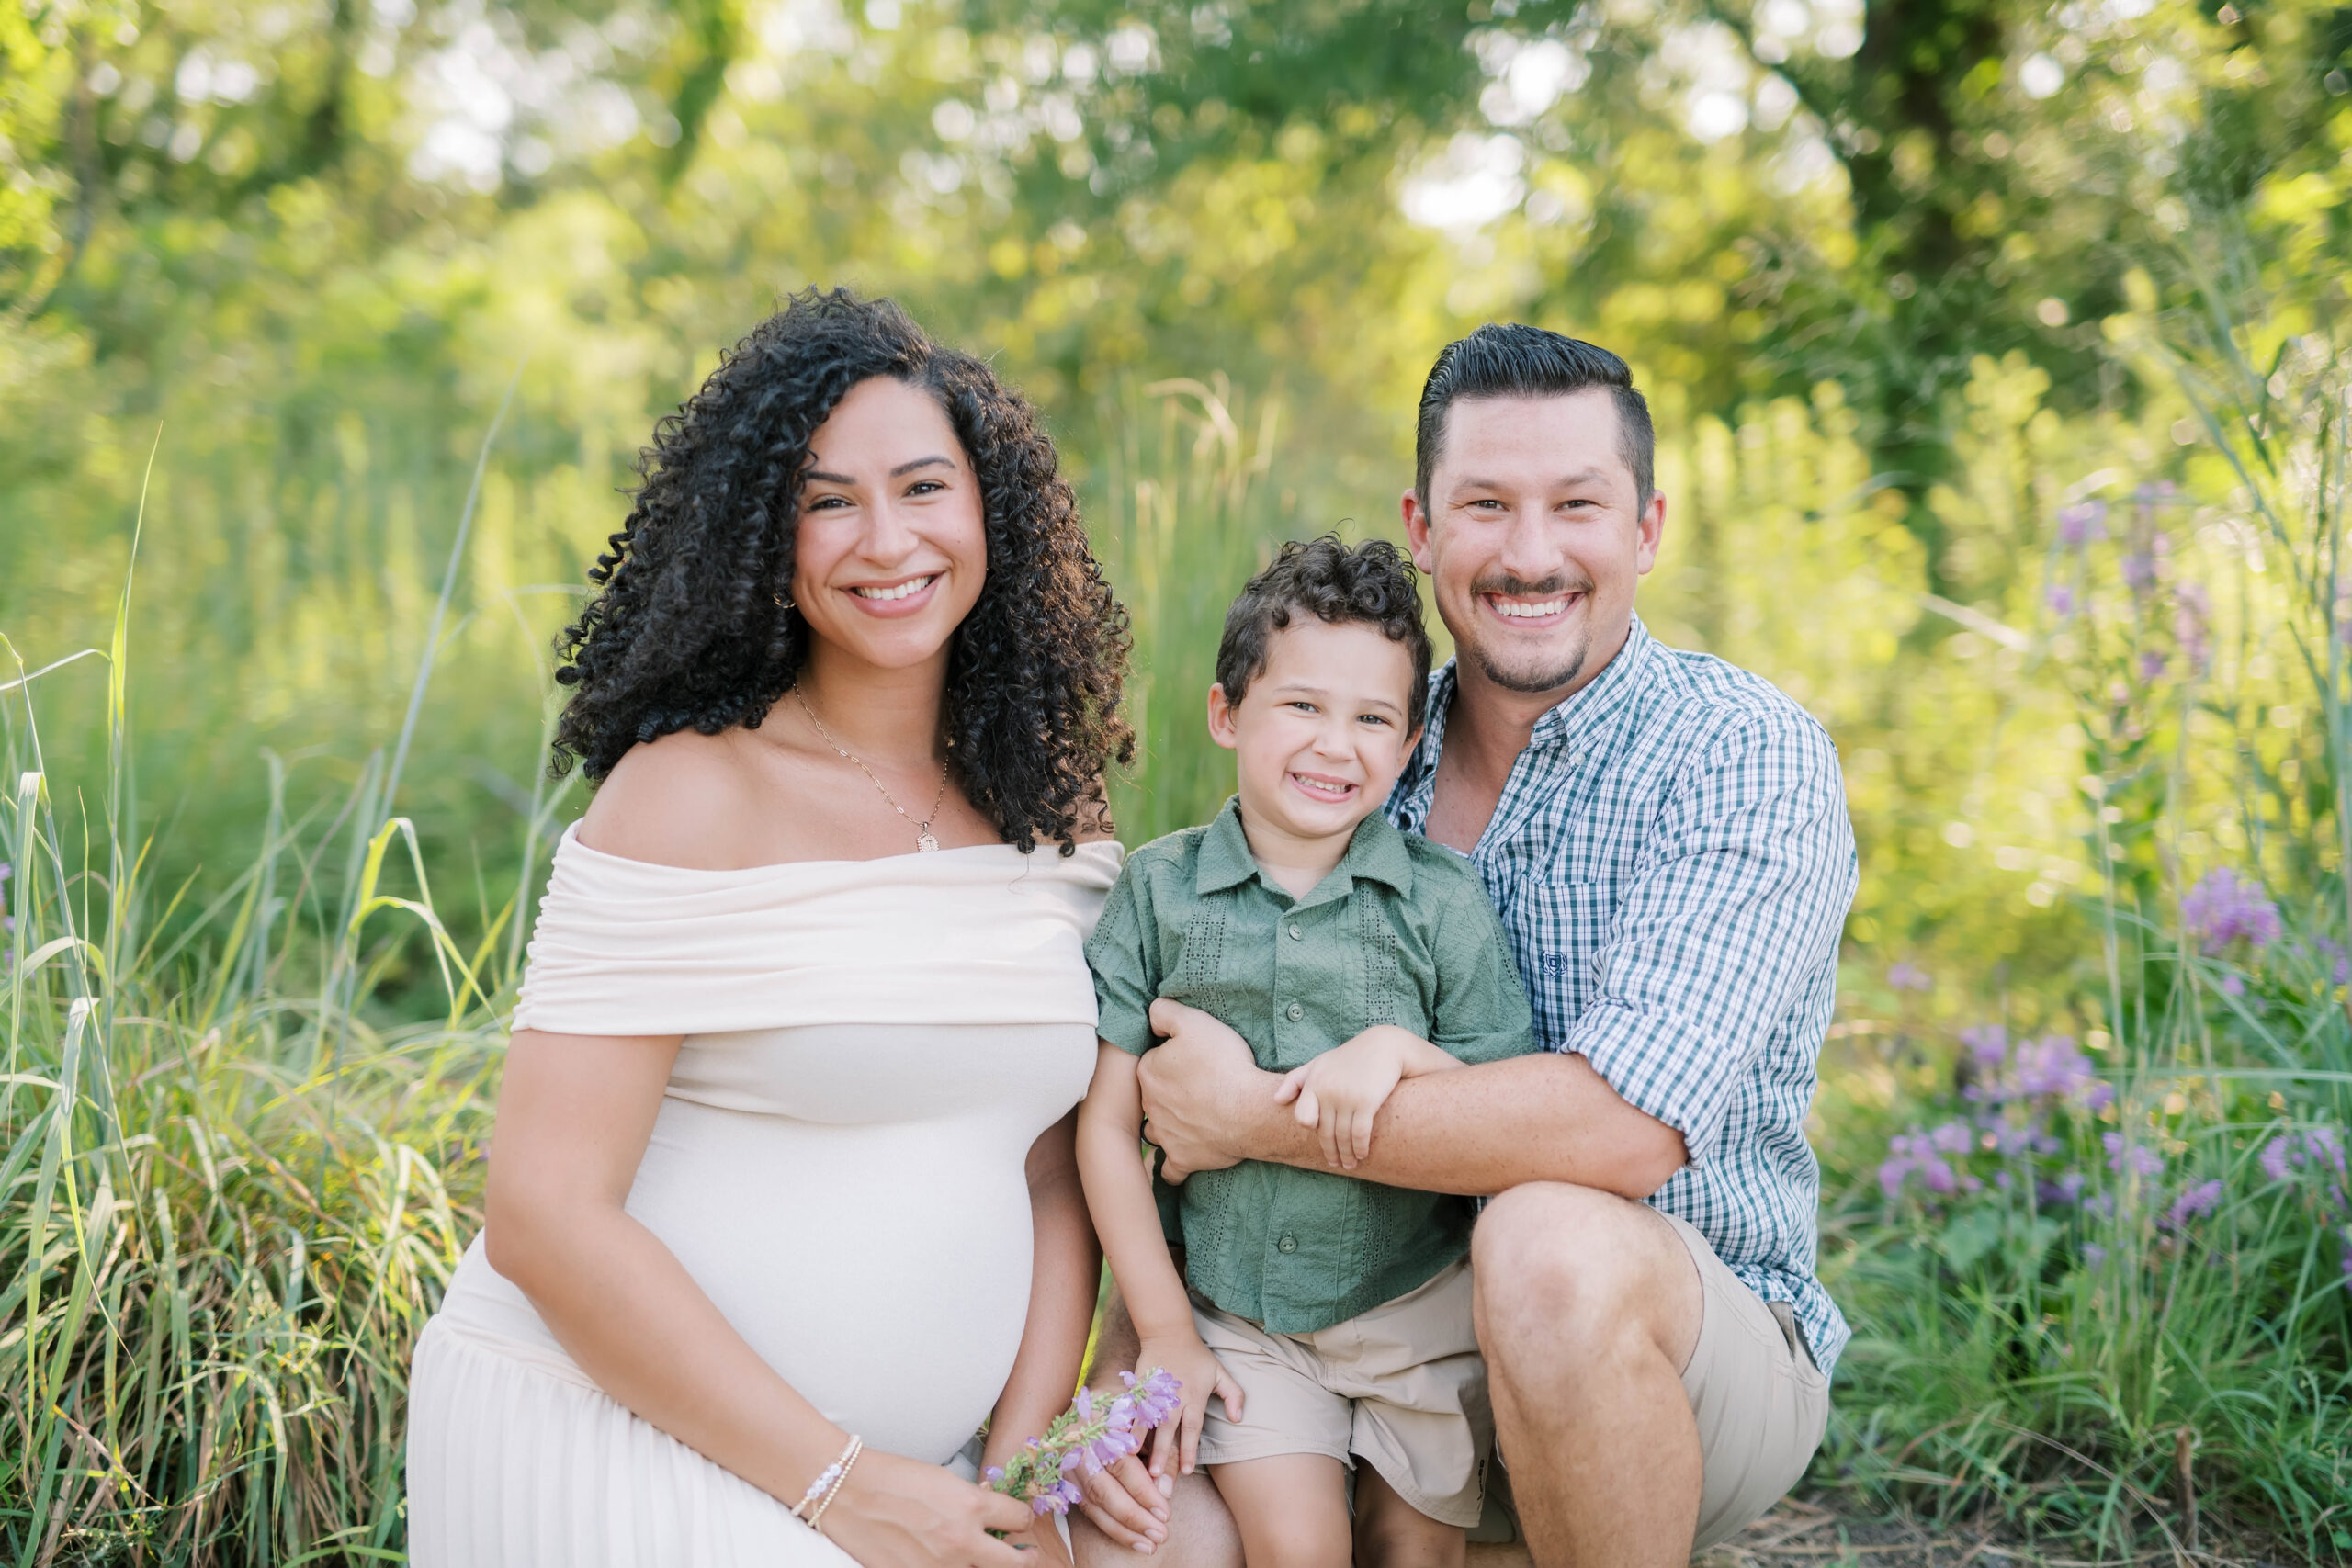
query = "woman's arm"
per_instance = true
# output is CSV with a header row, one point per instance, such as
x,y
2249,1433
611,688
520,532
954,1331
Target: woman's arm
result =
x,y
574,1115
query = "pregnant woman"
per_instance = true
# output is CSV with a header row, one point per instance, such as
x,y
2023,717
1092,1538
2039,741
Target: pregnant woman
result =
x,y
783,1203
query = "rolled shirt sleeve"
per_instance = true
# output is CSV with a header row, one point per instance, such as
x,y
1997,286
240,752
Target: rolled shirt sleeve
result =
x,y
1736,900
1127,980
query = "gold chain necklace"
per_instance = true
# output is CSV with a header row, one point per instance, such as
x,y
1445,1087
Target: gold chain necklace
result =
x,y
924,841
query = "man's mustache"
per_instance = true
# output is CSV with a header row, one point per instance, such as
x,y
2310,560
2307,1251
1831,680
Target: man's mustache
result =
x,y
1512,587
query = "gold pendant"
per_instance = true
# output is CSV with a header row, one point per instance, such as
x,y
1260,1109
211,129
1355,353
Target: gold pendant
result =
x,y
925,843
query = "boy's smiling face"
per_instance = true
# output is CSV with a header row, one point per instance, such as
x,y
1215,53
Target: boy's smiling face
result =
x,y
1319,733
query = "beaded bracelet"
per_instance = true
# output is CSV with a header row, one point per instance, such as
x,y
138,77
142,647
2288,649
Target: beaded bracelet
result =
x,y
821,1487
848,1463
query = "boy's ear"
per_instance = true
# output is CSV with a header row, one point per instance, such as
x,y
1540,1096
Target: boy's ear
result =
x,y
1221,725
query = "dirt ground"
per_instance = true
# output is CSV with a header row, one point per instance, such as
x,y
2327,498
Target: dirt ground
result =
x,y
1811,1534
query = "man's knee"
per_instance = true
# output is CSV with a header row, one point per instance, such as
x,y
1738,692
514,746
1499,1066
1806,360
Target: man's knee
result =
x,y
1553,1263
1201,1534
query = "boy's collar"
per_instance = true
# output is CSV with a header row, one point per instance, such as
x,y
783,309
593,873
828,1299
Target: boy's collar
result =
x,y
1375,852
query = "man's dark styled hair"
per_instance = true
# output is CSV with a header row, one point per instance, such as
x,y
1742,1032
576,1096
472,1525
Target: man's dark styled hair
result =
x,y
1507,359
1373,583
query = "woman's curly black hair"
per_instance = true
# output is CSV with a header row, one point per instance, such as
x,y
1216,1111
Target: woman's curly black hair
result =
x,y
688,632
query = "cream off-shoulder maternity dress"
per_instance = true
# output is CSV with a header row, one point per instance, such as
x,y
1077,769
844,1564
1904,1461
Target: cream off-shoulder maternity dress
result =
x,y
871,1047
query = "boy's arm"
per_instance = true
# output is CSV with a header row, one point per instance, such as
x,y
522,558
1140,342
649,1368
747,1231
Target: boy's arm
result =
x,y
1126,1217
1118,1194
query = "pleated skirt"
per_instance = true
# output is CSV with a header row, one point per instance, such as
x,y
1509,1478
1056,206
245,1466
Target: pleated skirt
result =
x,y
516,1461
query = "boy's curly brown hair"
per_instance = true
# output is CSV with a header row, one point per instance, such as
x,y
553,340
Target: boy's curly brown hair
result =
x,y
1374,583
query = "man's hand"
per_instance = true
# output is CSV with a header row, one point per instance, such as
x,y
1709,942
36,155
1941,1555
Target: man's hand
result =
x,y
1202,1089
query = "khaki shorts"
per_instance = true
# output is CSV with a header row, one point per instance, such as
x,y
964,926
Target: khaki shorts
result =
x,y
1401,1387
1761,1404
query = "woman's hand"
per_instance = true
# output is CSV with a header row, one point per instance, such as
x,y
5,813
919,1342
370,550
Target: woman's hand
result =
x,y
1175,1444
1128,1503
895,1512
1041,1543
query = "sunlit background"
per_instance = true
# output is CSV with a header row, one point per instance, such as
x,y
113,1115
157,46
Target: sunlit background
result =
x,y
1999,356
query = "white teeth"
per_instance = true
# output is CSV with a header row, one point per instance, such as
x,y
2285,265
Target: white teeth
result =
x,y
900,591
1334,790
1528,612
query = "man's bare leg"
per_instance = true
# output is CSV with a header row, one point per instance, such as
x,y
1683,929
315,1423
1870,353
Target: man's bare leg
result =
x,y
1588,1309
1198,1531
1392,1533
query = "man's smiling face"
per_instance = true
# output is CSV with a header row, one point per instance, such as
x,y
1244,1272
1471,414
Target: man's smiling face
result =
x,y
1533,536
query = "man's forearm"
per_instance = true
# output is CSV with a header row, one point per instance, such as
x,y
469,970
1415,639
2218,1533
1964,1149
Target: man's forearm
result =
x,y
1486,1128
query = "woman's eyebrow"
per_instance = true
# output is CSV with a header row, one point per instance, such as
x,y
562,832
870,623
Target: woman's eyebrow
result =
x,y
922,463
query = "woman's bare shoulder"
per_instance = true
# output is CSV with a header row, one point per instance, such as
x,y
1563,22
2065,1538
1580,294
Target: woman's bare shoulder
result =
x,y
685,799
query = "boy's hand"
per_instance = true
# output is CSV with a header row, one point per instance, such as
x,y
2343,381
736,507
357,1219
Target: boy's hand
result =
x,y
1174,1446
1339,1092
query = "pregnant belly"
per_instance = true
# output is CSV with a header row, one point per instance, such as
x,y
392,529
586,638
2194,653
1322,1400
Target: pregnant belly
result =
x,y
882,1270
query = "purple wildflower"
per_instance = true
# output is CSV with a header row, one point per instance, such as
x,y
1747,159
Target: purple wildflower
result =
x,y
2152,664
2133,1159
1908,976
2222,909
2192,621
2139,571
2339,962
1988,1046
2232,985
2082,524
2094,1254
2276,1159
2192,1202
2065,1192
2061,600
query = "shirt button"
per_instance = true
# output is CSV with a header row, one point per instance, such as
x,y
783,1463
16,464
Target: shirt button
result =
x,y
1287,1244
1576,760
1296,934
1293,1012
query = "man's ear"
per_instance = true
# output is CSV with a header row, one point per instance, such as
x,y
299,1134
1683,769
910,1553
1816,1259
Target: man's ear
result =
x,y
1417,530
1221,725
1652,533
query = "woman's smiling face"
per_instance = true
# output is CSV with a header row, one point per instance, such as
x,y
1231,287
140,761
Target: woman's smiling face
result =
x,y
892,547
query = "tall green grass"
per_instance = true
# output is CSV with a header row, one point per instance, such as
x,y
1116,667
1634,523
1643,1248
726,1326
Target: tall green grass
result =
x,y
2165,1352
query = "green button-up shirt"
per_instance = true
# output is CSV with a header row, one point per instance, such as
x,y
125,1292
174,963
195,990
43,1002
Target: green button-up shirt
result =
x,y
1399,933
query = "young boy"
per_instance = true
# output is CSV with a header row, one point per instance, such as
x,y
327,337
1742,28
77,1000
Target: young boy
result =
x,y
1330,1316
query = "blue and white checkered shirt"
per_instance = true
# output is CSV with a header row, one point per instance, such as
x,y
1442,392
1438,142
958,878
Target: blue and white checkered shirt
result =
x,y
1673,861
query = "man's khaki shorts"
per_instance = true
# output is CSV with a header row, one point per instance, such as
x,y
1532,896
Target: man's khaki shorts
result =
x,y
1401,1387
1761,1404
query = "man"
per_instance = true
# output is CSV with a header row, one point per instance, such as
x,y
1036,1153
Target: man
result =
x,y
1664,836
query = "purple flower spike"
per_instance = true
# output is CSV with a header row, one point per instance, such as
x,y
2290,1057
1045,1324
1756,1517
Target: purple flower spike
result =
x,y
1907,977
2223,909
2196,1200
2139,571
2136,1158
2152,664
2276,1155
2082,523
2061,600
